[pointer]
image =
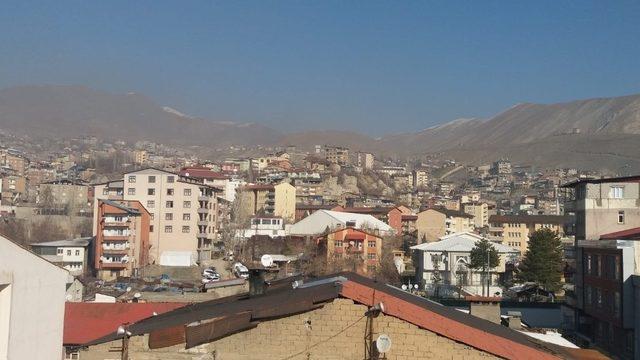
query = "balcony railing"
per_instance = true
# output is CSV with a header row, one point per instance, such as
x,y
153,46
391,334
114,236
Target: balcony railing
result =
x,y
203,210
203,223
116,237
116,223
114,251
113,265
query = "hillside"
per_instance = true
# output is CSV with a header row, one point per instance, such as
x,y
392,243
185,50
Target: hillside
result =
x,y
592,133
67,111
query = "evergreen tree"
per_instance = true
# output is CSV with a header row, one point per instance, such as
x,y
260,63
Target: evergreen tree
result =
x,y
479,259
542,262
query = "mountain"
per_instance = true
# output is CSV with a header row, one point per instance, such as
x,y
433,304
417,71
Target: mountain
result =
x,y
593,133
69,111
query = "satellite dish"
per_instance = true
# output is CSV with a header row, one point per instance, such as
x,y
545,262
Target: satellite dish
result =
x,y
137,295
383,343
415,286
266,260
68,297
128,288
186,174
404,287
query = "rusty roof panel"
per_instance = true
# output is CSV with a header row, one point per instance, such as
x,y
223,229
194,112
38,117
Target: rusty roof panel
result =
x,y
166,337
206,331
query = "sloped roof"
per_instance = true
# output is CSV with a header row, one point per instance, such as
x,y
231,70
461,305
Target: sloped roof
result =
x,y
246,312
463,242
85,322
529,219
79,242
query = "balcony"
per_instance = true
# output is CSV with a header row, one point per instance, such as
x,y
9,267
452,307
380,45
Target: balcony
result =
x,y
113,265
203,210
203,223
116,224
116,237
204,198
119,246
202,235
114,251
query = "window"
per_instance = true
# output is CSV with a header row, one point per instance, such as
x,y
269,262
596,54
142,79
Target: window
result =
x,y
186,204
152,215
170,191
151,191
169,204
77,252
168,229
151,204
60,251
371,244
187,192
185,229
338,243
170,179
620,217
371,256
616,192
131,179
152,179
186,216
150,228
68,252
105,191
72,355
168,216
131,191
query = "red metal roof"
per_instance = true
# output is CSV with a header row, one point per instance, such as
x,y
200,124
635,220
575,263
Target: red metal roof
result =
x,y
85,322
633,233
202,173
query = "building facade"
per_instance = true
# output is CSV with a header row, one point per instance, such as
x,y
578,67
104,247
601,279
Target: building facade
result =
x,y
271,200
72,255
514,230
432,224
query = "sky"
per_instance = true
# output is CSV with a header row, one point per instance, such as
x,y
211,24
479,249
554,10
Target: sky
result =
x,y
375,67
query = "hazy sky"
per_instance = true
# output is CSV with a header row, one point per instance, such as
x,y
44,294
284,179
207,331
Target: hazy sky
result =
x,y
375,67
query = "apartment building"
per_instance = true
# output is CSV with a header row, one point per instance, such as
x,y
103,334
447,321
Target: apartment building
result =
x,y
267,199
140,157
336,155
14,161
420,178
226,183
357,249
601,301
183,212
122,238
364,160
514,230
432,224
72,255
13,189
480,213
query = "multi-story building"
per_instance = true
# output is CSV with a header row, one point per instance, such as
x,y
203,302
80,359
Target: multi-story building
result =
x,y
364,160
140,157
263,226
64,194
336,155
219,180
13,189
480,213
432,224
272,200
601,302
514,230
73,255
183,211
14,161
358,249
502,167
420,178
122,238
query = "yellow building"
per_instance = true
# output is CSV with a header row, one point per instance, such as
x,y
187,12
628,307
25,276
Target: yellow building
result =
x,y
514,230
432,224
267,199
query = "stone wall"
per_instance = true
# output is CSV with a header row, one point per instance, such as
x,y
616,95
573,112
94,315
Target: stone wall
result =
x,y
333,332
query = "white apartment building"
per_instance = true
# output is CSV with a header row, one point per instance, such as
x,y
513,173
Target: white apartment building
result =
x,y
183,211
72,255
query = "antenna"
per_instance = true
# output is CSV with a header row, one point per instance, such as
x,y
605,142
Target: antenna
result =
x,y
266,260
383,343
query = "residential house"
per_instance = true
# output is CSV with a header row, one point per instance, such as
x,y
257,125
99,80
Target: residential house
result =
x,y
432,224
446,263
337,155
32,295
359,250
420,178
73,255
263,226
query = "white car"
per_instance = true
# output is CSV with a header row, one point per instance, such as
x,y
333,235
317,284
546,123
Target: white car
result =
x,y
240,270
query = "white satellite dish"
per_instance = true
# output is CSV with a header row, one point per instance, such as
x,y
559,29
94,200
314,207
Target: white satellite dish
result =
x,y
383,343
137,295
128,288
404,287
266,260
415,286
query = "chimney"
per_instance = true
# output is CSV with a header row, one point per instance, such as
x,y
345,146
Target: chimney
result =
x,y
257,285
484,307
514,321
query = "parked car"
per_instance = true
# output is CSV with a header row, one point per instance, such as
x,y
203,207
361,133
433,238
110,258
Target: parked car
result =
x,y
210,271
240,270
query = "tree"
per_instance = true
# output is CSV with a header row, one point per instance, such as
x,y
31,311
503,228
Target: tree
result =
x,y
480,261
542,262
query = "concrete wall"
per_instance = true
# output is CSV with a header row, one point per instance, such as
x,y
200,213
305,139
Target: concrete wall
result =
x,y
333,332
430,225
32,293
285,205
